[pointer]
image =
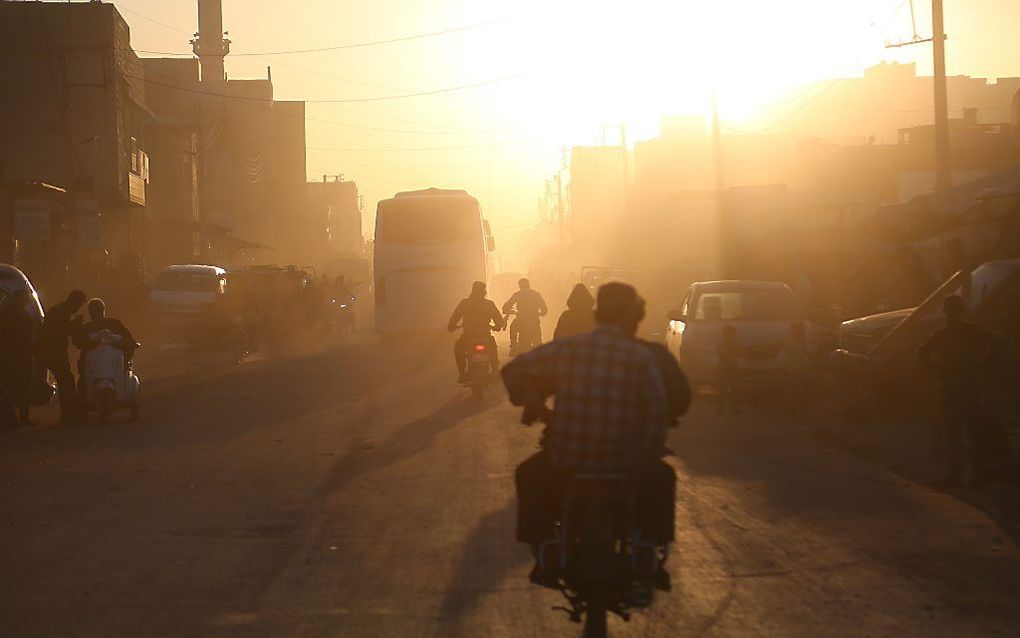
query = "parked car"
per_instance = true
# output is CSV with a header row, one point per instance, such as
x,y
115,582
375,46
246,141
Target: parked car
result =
x,y
11,280
889,374
185,298
760,311
860,335
992,295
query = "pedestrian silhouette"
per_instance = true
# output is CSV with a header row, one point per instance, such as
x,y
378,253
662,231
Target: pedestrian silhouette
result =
x,y
962,355
579,317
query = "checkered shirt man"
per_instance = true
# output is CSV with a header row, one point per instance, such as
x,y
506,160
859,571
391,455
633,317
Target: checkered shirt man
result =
x,y
610,404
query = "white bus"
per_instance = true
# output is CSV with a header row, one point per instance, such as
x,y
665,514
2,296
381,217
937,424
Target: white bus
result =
x,y
429,246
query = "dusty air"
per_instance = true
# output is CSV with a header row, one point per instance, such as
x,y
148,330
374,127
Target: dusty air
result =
x,y
457,319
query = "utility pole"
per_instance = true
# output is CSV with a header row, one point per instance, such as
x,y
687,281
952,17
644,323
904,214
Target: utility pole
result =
x,y
943,174
724,240
943,170
69,172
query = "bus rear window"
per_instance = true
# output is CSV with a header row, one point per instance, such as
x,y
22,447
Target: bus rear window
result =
x,y
421,221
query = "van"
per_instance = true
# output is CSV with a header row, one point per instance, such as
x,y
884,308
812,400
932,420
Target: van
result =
x,y
760,311
183,297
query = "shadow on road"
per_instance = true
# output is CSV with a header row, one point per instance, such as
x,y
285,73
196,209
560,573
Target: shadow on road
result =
x,y
489,555
775,475
408,440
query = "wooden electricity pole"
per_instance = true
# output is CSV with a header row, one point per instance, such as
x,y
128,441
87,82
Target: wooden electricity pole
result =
x,y
943,168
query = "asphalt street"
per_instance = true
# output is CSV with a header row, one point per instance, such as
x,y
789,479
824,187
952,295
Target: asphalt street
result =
x,y
357,491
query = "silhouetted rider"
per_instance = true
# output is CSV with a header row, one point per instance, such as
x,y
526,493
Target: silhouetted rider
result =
x,y
98,321
479,317
530,307
611,413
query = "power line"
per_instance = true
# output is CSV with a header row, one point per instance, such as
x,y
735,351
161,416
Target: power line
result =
x,y
428,148
337,47
378,98
448,129
792,114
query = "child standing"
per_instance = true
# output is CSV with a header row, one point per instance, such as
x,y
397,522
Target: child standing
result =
x,y
728,371
795,359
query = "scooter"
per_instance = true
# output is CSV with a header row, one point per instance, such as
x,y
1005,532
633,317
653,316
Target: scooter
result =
x,y
109,383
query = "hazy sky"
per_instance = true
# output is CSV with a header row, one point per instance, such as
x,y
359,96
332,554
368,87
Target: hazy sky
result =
x,y
565,67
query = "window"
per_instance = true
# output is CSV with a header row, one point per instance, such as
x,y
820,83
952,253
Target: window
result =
x,y
423,221
189,282
737,305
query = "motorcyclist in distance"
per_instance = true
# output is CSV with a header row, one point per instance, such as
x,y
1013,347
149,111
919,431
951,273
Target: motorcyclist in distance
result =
x,y
479,317
530,308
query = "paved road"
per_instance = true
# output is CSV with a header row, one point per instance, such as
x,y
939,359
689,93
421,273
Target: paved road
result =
x,y
357,492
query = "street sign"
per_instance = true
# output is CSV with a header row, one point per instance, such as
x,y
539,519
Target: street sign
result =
x,y
31,220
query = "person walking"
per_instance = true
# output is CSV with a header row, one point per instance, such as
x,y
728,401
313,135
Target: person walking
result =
x,y
961,354
579,317
61,323
16,336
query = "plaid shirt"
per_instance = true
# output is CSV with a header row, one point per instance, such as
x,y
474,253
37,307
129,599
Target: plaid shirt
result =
x,y
611,401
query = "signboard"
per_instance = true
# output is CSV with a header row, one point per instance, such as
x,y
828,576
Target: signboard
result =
x,y
89,225
31,220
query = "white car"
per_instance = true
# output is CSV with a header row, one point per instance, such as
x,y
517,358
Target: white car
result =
x,y
183,295
761,312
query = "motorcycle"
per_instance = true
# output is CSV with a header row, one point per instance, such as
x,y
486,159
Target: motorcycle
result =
x,y
344,318
527,332
109,383
479,373
596,557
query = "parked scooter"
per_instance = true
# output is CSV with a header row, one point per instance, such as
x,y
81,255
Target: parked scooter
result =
x,y
109,384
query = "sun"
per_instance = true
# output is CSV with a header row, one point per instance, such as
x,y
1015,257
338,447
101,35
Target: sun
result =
x,y
598,62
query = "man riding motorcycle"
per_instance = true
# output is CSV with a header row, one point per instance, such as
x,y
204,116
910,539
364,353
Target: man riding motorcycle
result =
x,y
530,308
479,317
98,321
611,413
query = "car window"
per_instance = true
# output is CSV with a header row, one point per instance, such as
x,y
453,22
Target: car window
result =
x,y
733,305
188,282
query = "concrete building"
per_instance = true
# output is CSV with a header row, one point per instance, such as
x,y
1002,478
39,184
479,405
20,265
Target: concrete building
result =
x,y
74,115
250,151
335,204
886,98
